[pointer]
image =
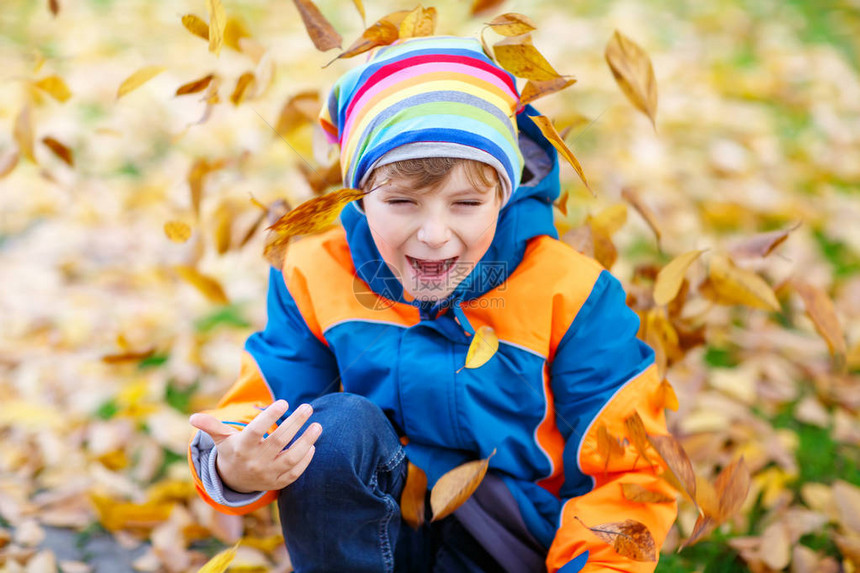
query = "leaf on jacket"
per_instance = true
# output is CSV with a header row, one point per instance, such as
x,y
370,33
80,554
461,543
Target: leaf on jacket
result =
x,y
208,286
56,87
196,25
220,562
412,498
519,56
632,197
217,23
820,309
762,244
629,538
60,150
671,276
728,284
195,86
481,6
484,346
419,22
320,30
637,435
535,90
636,493
8,162
667,395
177,231
23,133
548,130
137,79
633,73
380,33
456,486
512,24
680,470
242,85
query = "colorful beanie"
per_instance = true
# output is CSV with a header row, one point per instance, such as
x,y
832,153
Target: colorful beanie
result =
x,y
437,96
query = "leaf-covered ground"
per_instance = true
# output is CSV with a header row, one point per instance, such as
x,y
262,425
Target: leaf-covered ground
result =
x,y
114,328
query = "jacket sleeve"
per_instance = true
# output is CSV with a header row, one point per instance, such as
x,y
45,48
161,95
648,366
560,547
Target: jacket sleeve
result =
x,y
286,361
601,374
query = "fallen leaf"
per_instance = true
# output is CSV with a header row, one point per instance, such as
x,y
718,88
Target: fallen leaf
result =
x,y
634,74
413,496
177,231
480,6
638,494
671,276
484,346
23,133
60,150
419,22
242,85
128,356
195,86
633,198
763,244
208,286
534,90
381,33
220,562
733,285
549,131
217,23
8,162
519,56
512,24
116,515
456,486
137,79
732,487
320,30
820,309
637,435
629,538
196,25
55,86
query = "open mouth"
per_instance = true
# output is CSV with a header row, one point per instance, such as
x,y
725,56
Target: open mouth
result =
x,y
431,268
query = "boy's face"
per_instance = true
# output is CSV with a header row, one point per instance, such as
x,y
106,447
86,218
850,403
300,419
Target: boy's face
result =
x,y
432,238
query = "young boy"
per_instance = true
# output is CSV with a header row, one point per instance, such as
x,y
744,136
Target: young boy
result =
x,y
457,233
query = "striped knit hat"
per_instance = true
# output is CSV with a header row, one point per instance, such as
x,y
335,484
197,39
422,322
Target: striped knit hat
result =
x,y
437,96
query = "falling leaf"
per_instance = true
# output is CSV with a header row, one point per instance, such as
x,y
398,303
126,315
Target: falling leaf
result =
x,y
605,251
60,150
23,133
637,435
419,22
234,32
396,18
195,86
56,87
177,231
519,56
208,286
381,33
634,74
413,496
220,562
484,346
668,398
763,244
54,7
732,487
561,204
678,464
733,285
298,110
323,178
820,309
534,90
611,219
137,79
629,538
671,276
633,198
199,170
196,25
548,131
456,486
512,24
128,356
241,89
223,219
8,162
481,6
636,493
703,524
359,5
315,214
322,33
217,23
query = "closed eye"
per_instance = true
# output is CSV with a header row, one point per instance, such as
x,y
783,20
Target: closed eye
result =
x,y
398,201
470,203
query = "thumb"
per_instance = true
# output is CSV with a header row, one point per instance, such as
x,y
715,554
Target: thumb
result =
x,y
217,430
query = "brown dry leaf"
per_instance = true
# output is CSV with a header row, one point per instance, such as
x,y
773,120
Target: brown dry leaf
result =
x,y
456,486
199,170
315,214
636,493
322,33
55,87
208,286
667,396
732,487
242,85
703,524
820,309
54,7
480,6
519,56
634,74
605,251
234,32
137,79
220,562
412,498
217,23
195,86
548,130
419,22
23,133
128,356
320,180
116,515
637,435
733,285
534,90
633,198
299,110
8,162
381,33
196,25
678,464
484,346
177,231
629,538
706,497
671,276
763,244
512,24
60,150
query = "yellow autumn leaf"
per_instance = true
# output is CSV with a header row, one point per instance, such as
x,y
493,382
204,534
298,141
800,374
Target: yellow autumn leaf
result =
x,y
55,86
456,486
733,285
196,25
220,562
633,198
484,346
611,219
320,30
223,221
381,33
671,276
548,130
512,24
481,6
315,214
195,86
208,286
534,89
668,397
23,133
217,23
359,5
242,85
419,22
234,32
413,496
177,231
8,162
561,204
633,73
60,150
822,312
116,515
519,56
137,79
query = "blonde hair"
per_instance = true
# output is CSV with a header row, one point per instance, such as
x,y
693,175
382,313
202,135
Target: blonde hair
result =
x,y
427,172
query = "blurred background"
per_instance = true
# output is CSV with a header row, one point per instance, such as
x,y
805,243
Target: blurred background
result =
x,y
114,328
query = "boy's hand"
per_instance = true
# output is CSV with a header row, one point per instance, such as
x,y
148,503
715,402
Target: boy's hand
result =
x,y
248,462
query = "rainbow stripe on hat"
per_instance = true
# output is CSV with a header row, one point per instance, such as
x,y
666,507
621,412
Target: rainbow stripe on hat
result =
x,y
437,96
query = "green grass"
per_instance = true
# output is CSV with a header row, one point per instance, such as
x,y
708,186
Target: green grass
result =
x,y
180,398
845,261
719,357
230,315
710,556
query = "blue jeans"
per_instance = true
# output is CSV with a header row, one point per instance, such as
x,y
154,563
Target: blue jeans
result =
x,y
343,513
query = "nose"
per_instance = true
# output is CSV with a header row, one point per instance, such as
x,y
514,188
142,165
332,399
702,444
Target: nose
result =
x,y
434,231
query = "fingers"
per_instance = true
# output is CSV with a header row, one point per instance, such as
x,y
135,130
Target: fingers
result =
x,y
217,430
258,427
290,458
278,439
297,470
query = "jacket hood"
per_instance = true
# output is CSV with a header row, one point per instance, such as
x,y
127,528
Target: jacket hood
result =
x,y
528,214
